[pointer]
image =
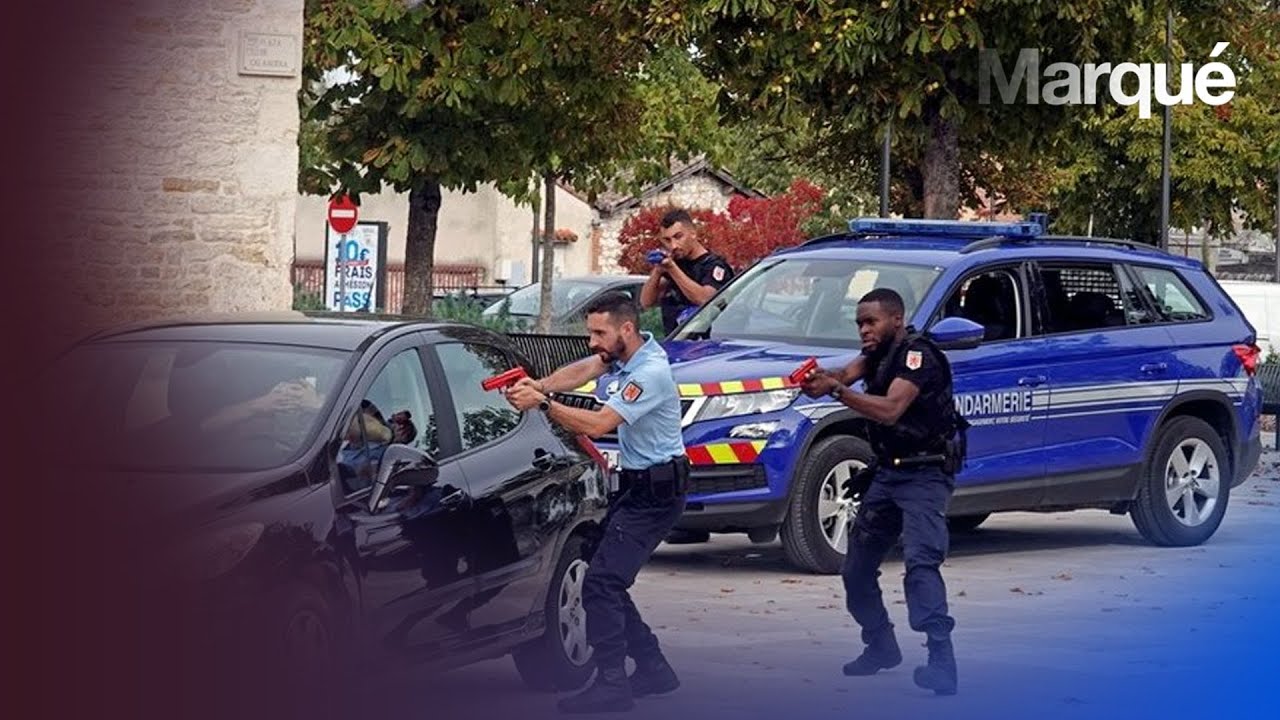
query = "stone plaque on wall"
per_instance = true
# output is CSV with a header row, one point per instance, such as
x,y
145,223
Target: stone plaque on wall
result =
x,y
268,54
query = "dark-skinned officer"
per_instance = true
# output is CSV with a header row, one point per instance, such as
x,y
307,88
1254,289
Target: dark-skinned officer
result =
x,y
918,439
652,483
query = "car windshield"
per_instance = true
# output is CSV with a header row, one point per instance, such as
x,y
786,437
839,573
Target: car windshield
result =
x,y
804,300
565,296
210,406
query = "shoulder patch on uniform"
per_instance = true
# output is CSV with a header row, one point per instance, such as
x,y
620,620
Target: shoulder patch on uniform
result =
x,y
632,392
718,273
914,359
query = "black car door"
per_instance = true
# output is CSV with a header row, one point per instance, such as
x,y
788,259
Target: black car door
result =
x,y
518,471
411,552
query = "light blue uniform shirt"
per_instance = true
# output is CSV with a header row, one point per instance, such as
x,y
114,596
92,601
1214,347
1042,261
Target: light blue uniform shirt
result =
x,y
649,404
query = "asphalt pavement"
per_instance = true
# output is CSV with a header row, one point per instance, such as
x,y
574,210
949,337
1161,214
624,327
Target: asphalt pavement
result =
x,y
1066,615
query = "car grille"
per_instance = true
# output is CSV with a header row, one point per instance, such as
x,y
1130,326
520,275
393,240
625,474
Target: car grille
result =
x,y
711,479
589,402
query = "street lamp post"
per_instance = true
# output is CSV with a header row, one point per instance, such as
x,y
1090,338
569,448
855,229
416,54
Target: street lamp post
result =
x,y
1168,132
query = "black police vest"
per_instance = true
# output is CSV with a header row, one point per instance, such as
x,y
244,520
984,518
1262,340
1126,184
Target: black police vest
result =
x,y
931,424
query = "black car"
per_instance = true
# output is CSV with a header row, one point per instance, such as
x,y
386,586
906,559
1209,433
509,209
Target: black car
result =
x,y
350,485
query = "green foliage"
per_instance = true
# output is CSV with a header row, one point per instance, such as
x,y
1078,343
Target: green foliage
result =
x,y
457,308
305,301
1223,159
844,69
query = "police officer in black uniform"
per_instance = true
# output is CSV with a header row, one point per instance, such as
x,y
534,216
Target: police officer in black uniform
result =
x,y
653,481
688,275
918,438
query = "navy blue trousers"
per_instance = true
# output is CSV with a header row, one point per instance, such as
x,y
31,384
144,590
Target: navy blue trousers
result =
x,y
911,505
632,531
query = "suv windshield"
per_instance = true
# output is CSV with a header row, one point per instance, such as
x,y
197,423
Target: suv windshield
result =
x,y
213,406
565,296
804,300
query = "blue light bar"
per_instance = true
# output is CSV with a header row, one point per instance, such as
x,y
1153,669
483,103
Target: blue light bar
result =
x,y
947,228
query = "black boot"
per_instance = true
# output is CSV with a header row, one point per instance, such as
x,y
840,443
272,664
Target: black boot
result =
x,y
653,677
611,692
882,653
940,674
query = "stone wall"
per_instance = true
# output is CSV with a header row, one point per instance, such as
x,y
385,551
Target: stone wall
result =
x,y
700,191
181,193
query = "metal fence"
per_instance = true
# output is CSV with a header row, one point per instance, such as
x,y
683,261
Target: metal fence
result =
x,y
548,352
309,276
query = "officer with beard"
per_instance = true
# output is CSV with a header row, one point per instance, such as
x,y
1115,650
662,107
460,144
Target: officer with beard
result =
x,y
918,438
650,498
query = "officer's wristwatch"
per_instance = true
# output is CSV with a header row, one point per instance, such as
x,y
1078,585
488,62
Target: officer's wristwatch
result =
x,y
837,392
545,405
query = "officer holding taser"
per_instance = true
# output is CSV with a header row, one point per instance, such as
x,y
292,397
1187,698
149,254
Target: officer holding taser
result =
x,y
918,438
652,484
685,273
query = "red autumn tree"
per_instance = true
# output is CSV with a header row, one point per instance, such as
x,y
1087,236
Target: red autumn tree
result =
x,y
749,229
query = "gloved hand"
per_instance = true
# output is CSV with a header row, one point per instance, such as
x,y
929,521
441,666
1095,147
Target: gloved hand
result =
x,y
859,483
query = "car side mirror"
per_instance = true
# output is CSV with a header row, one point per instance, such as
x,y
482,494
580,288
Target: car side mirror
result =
x,y
402,466
957,333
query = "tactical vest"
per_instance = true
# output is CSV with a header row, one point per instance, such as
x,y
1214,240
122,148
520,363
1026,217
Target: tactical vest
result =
x,y
939,429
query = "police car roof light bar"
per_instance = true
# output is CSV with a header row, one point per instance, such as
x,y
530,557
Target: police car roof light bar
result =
x,y
946,228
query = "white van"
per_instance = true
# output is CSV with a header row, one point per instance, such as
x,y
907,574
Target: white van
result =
x,y
1260,303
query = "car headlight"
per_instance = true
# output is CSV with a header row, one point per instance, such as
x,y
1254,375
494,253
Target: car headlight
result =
x,y
215,554
720,406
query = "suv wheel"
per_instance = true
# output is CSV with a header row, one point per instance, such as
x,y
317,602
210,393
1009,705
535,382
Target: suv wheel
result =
x,y
815,534
561,658
1185,485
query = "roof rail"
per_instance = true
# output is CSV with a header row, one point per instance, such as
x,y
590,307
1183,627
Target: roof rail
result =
x,y
995,242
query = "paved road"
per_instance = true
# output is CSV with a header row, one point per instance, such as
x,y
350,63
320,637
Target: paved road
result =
x,y
1066,615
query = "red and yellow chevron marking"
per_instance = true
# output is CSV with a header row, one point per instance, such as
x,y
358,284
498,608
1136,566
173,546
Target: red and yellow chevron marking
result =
x,y
726,453
732,387
727,387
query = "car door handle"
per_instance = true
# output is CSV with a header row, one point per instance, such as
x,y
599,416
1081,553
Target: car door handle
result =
x,y
543,460
1153,368
1033,380
453,499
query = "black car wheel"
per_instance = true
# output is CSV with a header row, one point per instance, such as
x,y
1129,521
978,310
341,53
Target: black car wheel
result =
x,y
815,534
1185,485
561,659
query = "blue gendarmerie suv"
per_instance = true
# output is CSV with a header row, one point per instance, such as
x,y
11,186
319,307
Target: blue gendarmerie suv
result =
x,y
1096,373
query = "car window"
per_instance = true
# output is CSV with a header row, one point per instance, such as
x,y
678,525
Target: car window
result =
x,y
992,299
804,300
1082,297
396,409
483,417
195,405
1170,295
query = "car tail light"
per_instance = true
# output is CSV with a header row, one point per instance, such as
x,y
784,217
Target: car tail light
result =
x,y
1248,355
590,448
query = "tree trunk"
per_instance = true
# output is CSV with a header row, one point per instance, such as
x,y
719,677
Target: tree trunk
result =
x,y
548,253
534,238
420,248
1208,253
941,166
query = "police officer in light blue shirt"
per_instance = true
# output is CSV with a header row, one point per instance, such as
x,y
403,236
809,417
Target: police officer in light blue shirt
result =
x,y
645,411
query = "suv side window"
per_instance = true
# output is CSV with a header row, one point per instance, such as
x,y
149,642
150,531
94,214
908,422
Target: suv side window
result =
x,y
1170,295
483,417
993,299
1080,297
396,409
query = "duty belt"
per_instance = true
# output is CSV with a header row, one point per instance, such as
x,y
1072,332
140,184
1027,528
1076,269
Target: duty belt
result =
x,y
662,480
